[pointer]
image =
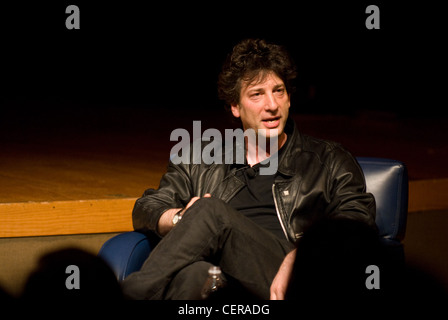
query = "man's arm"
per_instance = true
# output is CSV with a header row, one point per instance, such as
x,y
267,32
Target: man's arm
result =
x,y
348,196
173,194
165,223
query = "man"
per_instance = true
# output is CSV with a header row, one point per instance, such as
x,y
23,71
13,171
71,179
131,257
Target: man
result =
x,y
232,216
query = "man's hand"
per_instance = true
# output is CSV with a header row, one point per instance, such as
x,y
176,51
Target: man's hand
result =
x,y
281,281
166,219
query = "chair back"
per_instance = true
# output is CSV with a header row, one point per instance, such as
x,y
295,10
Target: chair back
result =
x,y
387,180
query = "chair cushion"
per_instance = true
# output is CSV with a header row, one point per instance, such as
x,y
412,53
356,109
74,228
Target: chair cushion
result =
x,y
126,253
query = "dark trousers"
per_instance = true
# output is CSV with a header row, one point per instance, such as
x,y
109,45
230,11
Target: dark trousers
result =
x,y
210,232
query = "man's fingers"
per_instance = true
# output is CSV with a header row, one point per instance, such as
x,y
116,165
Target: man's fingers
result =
x,y
193,200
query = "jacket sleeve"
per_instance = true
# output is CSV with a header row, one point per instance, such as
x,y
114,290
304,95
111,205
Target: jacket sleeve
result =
x,y
174,191
347,190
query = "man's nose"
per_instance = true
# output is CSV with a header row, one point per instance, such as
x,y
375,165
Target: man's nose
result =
x,y
271,103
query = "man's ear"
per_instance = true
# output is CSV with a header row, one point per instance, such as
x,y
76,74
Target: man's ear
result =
x,y
235,110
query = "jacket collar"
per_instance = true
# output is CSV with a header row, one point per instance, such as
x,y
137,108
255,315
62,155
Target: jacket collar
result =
x,y
293,146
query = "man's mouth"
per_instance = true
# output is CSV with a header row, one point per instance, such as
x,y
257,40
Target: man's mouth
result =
x,y
271,123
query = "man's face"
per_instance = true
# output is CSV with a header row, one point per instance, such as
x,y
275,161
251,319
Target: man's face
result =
x,y
264,105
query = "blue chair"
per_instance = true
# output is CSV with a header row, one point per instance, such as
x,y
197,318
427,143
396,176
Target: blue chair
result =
x,y
386,179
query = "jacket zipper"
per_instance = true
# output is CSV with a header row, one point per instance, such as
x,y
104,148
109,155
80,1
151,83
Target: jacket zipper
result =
x,y
278,212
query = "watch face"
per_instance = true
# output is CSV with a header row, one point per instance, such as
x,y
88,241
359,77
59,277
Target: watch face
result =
x,y
177,217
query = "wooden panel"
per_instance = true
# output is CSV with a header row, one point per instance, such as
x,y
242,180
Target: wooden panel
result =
x,y
65,217
427,195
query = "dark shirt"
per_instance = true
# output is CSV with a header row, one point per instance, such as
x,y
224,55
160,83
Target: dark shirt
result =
x,y
256,199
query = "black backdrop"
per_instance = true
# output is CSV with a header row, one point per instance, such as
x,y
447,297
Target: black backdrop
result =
x,y
169,55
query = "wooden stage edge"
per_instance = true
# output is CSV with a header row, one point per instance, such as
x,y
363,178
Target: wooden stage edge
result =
x,y
27,219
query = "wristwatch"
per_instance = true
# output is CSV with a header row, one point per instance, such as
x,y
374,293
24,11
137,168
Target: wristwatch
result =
x,y
177,217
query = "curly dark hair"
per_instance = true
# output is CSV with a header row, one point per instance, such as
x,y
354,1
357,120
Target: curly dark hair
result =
x,y
252,60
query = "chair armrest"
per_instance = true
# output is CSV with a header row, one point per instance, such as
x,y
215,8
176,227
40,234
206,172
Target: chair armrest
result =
x,y
126,253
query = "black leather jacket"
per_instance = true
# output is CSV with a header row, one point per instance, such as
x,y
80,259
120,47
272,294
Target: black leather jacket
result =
x,y
315,179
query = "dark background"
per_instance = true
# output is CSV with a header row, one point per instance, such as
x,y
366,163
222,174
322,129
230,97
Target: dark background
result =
x,y
168,56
